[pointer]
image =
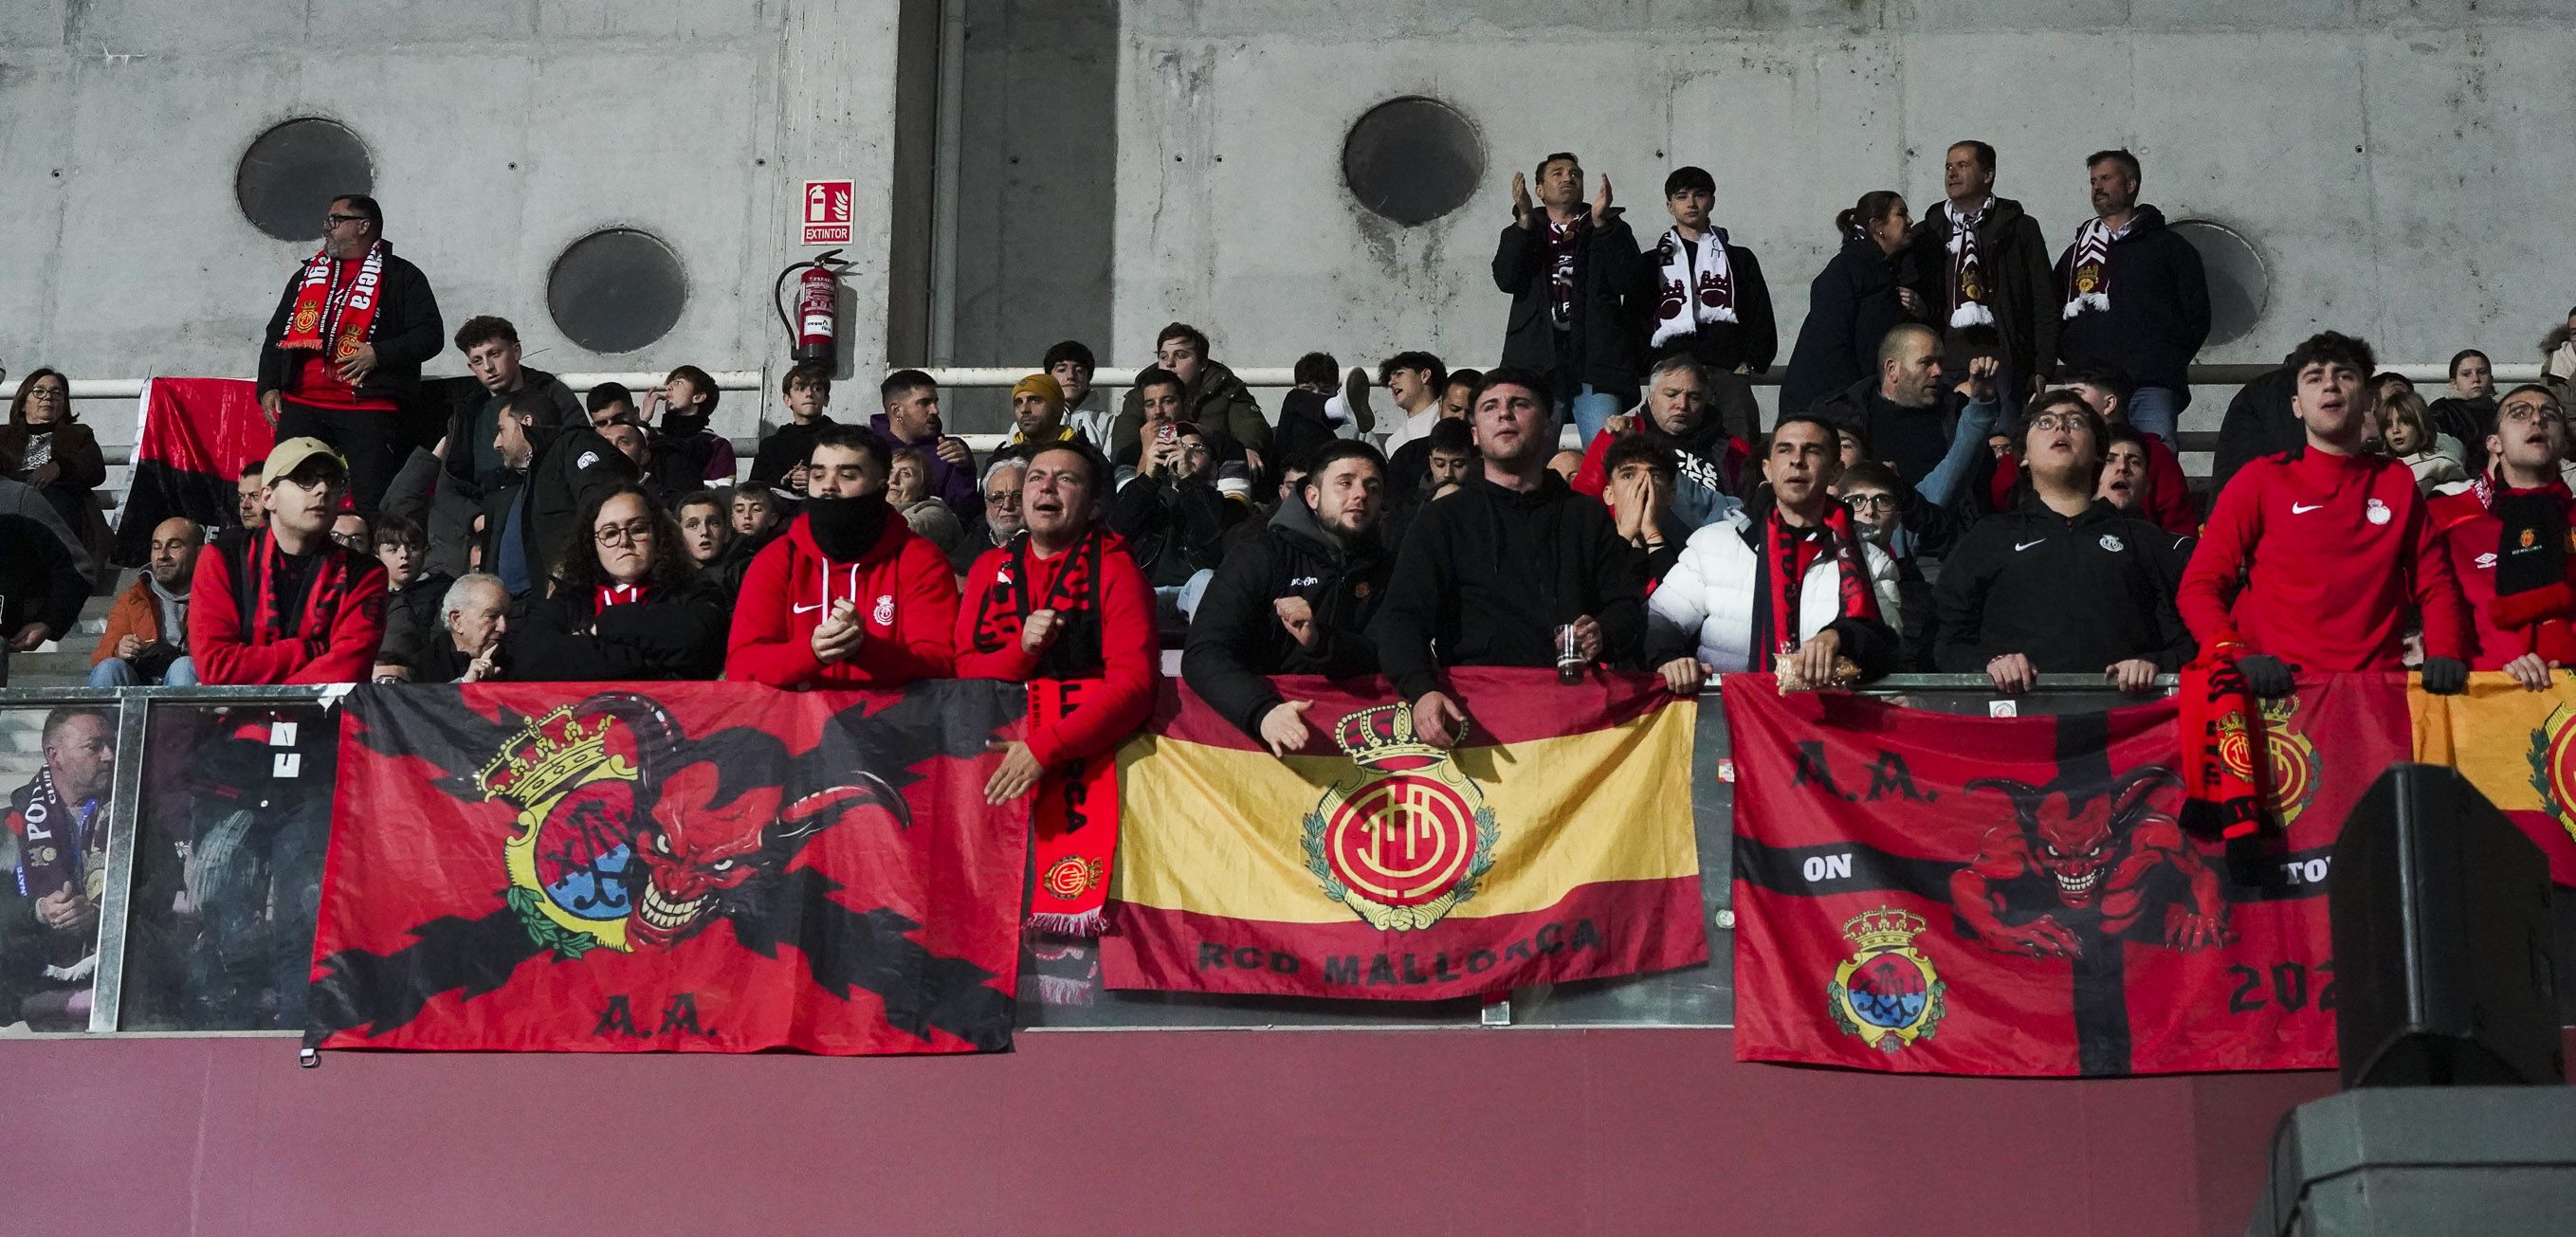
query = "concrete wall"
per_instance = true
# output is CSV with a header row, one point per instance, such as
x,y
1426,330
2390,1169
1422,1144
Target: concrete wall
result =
x,y
499,134
2400,165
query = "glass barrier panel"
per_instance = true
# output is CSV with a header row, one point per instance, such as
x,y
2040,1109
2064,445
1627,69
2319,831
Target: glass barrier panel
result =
x,y
229,839
58,765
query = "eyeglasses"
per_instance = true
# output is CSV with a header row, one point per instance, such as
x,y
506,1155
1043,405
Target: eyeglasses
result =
x,y
1004,498
355,541
622,534
2048,421
1863,503
2524,414
331,219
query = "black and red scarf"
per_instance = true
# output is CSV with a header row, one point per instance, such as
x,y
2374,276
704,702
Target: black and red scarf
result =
x,y
1073,814
1789,552
336,312
2533,559
1074,594
270,617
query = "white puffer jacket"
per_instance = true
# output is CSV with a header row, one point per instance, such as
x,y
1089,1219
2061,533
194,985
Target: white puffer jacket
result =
x,y
1709,595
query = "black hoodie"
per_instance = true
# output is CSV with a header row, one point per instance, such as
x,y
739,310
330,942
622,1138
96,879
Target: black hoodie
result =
x,y
1487,575
1237,637
2072,595
2159,314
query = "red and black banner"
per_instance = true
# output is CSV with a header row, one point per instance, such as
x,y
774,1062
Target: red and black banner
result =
x,y
196,436
1929,893
694,867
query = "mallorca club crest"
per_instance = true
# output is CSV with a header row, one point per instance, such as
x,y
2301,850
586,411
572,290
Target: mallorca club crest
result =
x,y
627,836
2553,765
2292,760
1887,993
1406,838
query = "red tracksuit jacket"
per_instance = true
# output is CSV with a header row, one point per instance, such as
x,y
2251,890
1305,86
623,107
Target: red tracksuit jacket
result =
x,y
229,647
902,587
1130,659
2321,560
2542,621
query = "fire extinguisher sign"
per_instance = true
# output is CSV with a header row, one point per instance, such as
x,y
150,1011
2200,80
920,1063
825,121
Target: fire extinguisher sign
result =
x,y
826,219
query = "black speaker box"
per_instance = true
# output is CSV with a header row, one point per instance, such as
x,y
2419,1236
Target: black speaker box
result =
x,y
2442,940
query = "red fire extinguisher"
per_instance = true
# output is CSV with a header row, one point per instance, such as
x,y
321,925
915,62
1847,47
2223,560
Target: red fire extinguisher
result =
x,y
817,318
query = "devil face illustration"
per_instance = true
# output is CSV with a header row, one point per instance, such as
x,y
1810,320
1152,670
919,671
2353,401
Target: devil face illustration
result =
x,y
2100,848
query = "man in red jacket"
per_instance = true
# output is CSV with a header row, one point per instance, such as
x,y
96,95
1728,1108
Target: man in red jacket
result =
x,y
848,596
275,605
2510,544
2316,558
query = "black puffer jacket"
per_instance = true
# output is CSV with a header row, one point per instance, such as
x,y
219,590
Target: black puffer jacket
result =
x,y
2024,290
1236,637
1604,346
2159,314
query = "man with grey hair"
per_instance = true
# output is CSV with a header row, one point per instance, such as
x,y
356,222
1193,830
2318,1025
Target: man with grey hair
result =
x,y
1677,416
475,615
1001,520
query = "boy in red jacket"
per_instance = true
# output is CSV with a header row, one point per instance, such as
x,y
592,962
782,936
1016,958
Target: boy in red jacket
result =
x,y
2315,558
277,604
1062,601
285,603
2510,544
848,596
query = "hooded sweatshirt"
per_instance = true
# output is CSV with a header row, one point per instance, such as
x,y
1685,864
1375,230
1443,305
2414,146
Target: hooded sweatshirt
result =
x,y
898,583
1488,574
1236,637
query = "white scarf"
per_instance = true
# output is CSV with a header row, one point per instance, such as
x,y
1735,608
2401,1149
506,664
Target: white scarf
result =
x,y
1967,274
2088,272
1709,292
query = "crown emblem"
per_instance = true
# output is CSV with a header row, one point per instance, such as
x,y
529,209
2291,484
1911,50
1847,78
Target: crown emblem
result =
x,y
547,755
1383,738
1884,928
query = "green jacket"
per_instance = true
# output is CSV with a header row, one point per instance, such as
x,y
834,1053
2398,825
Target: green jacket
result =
x,y
1221,404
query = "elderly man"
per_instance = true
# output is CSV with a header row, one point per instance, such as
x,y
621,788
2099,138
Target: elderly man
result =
x,y
1676,419
473,617
1002,520
342,354
147,628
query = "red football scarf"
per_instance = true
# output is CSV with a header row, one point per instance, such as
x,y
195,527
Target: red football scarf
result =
x,y
1075,814
613,593
326,309
265,611
2222,730
1791,552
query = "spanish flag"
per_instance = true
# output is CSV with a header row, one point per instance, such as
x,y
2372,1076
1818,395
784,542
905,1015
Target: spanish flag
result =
x,y
2517,747
1553,843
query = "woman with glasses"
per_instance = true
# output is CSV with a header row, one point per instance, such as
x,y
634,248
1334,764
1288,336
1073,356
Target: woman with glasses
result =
x,y
626,604
43,446
2063,582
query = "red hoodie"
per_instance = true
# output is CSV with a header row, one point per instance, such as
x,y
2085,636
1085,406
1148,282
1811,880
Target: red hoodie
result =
x,y
338,614
1124,663
904,593
2317,559
2541,621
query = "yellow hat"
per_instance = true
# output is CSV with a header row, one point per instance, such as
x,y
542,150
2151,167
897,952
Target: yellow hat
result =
x,y
290,455
1045,387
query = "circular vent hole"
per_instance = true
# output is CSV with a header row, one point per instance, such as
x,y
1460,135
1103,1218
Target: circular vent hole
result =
x,y
291,173
616,290
1413,160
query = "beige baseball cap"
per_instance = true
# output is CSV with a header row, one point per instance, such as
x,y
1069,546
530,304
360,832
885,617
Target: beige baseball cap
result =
x,y
290,455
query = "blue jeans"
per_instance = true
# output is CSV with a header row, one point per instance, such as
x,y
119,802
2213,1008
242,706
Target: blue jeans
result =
x,y
1588,408
118,672
2158,411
